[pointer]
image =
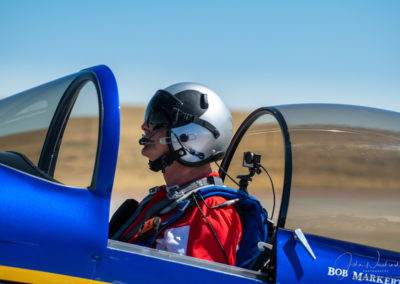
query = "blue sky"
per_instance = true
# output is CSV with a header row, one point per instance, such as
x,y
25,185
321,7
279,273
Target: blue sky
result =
x,y
253,53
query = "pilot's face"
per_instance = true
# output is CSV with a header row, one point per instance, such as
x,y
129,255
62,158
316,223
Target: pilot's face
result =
x,y
154,149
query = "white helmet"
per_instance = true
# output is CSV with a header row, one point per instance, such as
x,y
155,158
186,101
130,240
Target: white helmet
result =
x,y
199,125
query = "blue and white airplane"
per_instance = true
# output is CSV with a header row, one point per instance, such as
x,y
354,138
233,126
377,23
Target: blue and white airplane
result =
x,y
335,169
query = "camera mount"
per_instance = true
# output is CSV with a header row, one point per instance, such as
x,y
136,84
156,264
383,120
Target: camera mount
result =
x,y
252,162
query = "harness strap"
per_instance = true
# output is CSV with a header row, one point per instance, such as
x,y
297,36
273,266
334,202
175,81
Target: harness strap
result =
x,y
152,212
146,200
257,228
147,240
174,196
178,194
185,203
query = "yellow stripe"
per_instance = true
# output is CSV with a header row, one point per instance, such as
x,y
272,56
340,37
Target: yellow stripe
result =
x,y
33,276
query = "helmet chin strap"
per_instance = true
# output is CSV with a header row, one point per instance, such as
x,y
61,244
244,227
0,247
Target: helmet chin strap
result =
x,y
166,160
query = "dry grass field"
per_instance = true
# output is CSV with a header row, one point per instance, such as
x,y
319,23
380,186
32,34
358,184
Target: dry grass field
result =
x,y
344,185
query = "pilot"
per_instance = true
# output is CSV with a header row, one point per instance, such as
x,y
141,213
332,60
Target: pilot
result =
x,y
186,128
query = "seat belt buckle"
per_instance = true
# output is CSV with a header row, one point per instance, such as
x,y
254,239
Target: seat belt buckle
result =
x,y
173,192
150,227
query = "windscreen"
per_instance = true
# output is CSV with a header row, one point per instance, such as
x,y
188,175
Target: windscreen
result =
x,y
25,117
345,179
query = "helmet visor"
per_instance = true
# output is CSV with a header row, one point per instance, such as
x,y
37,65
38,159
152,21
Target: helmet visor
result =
x,y
160,110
